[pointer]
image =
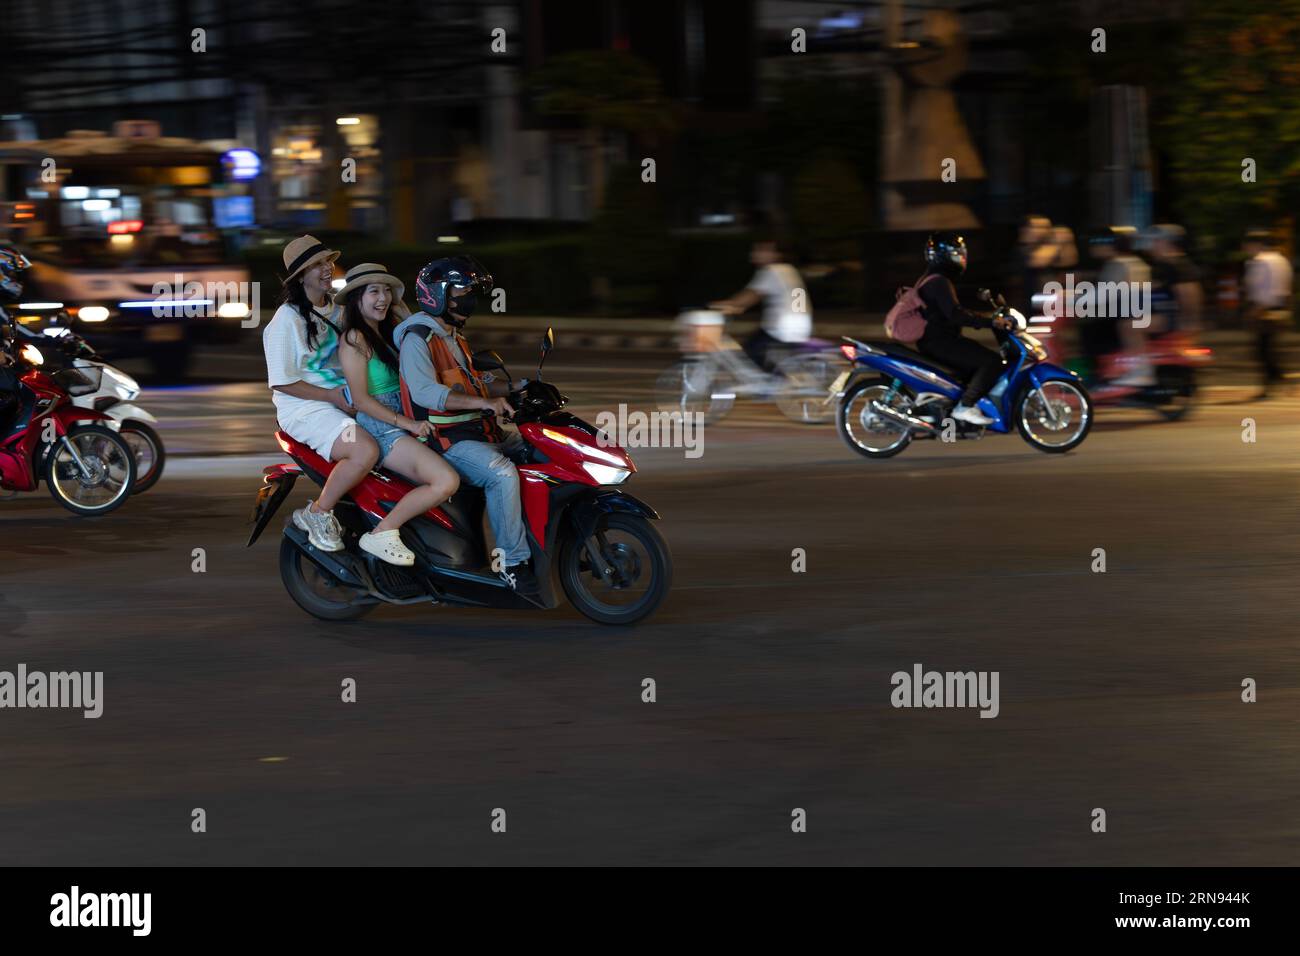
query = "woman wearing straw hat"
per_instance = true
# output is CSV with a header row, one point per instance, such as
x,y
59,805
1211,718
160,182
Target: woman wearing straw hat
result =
x,y
302,367
372,306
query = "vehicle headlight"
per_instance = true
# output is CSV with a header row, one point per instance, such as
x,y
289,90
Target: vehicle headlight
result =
x,y
232,310
32,355
125,387
604,474
93,313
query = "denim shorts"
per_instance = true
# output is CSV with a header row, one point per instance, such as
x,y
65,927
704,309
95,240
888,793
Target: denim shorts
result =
x,y
385,433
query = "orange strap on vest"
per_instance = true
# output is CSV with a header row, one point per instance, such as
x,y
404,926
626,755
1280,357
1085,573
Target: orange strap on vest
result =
x,y
458,379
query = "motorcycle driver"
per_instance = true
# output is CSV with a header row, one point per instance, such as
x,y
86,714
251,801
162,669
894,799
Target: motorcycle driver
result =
x,y
13,264
1122,267
945,256
441,384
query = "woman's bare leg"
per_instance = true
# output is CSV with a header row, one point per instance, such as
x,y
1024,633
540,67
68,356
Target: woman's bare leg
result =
x,y
435,480
354,454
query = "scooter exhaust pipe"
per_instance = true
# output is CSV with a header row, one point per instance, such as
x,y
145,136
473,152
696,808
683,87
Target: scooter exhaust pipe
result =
x,y
902,418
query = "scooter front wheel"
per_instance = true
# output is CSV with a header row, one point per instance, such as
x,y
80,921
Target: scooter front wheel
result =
x,y
94,473
315,591
618,575
1055,417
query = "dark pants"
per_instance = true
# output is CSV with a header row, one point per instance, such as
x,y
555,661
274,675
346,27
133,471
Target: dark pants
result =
x,y
1266,344
980,366
763,349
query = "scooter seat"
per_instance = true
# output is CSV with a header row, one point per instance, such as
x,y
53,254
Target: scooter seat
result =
x,y
898,350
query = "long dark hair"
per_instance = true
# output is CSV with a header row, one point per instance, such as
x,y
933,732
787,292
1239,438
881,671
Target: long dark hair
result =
x,y
295,296
377,341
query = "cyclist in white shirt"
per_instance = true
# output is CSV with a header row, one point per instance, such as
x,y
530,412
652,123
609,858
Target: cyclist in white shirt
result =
x,y
787,311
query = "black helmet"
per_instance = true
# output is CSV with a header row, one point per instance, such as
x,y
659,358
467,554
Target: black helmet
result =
x,y
945,252
437,279
12,266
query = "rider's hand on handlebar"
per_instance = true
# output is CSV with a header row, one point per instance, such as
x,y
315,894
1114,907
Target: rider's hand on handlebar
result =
x,y
498,406
724,306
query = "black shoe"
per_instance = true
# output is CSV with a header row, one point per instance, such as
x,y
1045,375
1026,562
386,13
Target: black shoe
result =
x,y
520,578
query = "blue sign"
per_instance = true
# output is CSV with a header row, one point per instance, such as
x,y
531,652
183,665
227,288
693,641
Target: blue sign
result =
x,y
232,212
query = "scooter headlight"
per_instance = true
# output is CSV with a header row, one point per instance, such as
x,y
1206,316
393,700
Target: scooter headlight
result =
x,y
124,386
604,474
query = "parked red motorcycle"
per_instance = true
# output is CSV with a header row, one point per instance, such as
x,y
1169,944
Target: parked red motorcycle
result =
x,y
87,466
613,565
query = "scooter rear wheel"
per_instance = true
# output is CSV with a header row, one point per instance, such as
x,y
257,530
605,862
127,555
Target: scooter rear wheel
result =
x,y
866,432
150,457
315,591
637,564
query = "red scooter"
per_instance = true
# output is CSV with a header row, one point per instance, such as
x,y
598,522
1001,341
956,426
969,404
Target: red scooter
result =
x,y
612,564
88,467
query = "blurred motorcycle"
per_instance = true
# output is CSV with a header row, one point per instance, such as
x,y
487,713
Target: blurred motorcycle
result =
x,y
107,389
1177,361
88,467
716,371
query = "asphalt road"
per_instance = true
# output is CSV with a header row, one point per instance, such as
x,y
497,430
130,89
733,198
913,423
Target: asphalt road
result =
x,y
1118,690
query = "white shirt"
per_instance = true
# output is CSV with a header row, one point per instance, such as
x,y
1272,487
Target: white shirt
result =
x,y
1268,281
787,312
289,359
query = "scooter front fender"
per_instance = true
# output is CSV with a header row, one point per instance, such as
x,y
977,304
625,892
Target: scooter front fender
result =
x,y
585,511
127,411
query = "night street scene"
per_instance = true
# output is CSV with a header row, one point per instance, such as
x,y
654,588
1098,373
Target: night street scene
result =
x,y
607,433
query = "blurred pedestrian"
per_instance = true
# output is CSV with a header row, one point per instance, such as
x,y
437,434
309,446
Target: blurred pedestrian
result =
x,y
1267,286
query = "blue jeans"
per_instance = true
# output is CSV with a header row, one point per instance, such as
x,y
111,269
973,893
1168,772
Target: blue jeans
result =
x,y
486,466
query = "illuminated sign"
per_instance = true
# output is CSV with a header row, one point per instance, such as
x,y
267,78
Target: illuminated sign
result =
x,y
241,164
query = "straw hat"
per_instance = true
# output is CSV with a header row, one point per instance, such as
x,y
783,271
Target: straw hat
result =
x,y
304,252
369,273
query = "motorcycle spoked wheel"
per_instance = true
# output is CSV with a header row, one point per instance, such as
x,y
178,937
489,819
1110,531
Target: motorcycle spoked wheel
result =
x,y
695,387
150,456
858,425
111,477
1073,416
806,379
316,591
638,563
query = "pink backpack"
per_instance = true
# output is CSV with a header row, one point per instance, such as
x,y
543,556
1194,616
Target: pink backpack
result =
x,y
904,322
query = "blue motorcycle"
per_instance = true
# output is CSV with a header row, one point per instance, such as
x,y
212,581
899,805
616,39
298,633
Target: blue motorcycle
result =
x,y
894,394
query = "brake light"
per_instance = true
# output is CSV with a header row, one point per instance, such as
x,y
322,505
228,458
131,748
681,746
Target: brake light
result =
x,y
850,352
123,226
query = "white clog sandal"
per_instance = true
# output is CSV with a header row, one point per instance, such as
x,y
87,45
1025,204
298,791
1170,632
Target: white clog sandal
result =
x,y
387,546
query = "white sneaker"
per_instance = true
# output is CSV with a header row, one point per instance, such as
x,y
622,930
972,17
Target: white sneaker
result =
x,y
323,529
387,546
971,415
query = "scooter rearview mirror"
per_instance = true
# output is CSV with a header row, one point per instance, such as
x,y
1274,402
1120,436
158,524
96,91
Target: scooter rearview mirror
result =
x,y
548,343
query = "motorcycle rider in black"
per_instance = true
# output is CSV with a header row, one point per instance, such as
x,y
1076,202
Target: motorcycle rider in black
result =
x,y
945,257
